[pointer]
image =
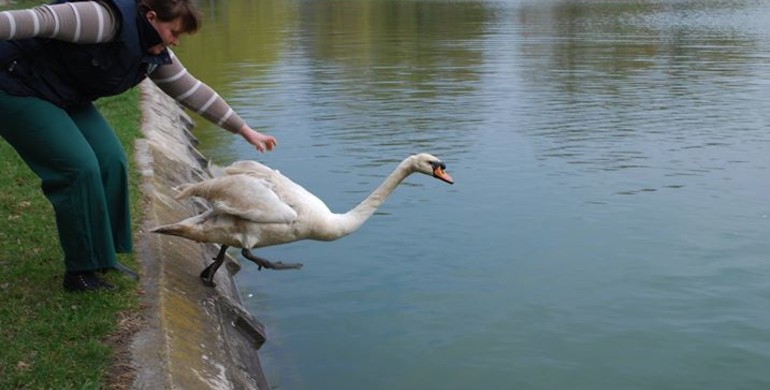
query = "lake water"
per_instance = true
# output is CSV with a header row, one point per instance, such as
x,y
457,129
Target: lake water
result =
x,y
610,223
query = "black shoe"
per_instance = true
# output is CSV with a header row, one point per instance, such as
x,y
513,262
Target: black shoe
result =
x,y
85,281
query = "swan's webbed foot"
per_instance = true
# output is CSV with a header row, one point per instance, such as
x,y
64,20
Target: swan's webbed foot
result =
x,y
207,276
262,262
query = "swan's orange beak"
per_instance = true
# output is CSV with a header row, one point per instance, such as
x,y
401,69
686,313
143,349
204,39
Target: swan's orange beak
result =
x,y
439,171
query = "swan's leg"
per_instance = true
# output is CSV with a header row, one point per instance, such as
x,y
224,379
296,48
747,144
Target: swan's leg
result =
x,y
207,276
261,262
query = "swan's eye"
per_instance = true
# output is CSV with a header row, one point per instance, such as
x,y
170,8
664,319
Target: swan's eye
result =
x,y
437,164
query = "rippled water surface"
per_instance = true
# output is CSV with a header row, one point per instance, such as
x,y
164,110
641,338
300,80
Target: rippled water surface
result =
x,y
608,228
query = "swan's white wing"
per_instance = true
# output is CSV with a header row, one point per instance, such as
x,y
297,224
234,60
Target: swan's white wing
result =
x,y
249,166
289,192
243,196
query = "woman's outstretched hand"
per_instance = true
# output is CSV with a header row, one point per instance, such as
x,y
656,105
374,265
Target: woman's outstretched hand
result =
x,y
262,142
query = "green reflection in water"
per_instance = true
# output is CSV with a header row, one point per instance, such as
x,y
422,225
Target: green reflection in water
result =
x,y
409,55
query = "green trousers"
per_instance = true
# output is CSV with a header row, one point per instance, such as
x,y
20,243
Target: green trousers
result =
x,y
83,169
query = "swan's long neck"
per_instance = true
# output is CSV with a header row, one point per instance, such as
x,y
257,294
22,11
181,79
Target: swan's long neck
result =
x,y
354,218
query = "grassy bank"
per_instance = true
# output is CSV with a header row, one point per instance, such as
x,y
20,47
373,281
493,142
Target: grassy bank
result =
x,y
52,339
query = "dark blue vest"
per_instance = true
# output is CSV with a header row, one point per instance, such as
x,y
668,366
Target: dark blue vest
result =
x,y
71,75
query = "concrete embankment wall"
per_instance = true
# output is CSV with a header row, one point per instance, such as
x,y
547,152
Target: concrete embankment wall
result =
x,y
195,337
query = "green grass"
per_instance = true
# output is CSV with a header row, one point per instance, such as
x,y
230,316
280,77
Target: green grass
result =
x,y
50,338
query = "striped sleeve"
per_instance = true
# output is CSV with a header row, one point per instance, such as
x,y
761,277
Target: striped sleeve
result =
x,y
80,22
175,81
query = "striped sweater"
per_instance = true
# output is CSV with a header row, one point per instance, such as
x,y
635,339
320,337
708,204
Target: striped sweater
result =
x,y
91,22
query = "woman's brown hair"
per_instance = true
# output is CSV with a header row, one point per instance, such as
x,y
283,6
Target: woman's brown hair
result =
x,y
168,10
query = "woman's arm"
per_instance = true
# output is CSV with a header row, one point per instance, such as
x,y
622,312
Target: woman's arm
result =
x,y
176,82
79,22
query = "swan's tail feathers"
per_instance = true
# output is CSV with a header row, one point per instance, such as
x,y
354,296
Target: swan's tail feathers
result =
x,y
174,229
190,228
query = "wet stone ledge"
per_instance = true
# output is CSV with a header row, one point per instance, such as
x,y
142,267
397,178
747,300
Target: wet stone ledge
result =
x,y
194,337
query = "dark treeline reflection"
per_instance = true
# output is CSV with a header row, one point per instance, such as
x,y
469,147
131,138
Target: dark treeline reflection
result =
x,y
410,66
407,64
416,72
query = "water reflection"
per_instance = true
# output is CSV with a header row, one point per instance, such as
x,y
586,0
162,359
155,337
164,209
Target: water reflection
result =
x,y
336,69
609,82
610,208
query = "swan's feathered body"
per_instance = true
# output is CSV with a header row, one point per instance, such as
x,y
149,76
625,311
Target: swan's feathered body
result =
x,y
256,206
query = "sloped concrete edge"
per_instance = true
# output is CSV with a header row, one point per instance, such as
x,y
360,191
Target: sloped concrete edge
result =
x,y
195,337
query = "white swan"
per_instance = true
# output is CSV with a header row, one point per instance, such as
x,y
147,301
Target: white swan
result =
x,y
254,206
